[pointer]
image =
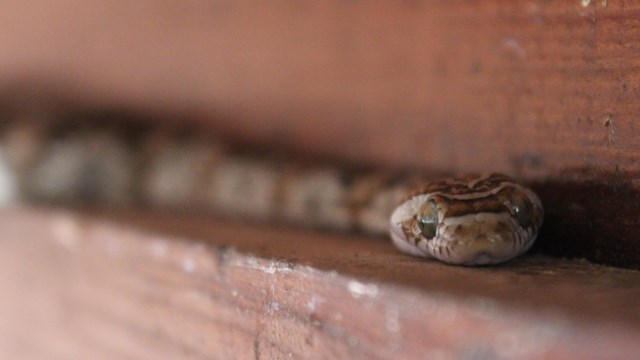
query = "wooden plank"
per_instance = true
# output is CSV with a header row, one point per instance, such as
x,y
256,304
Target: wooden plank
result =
x,y
150,286
534,88
545,91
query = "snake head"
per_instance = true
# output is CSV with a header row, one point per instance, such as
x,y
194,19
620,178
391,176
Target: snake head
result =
x,y
473,221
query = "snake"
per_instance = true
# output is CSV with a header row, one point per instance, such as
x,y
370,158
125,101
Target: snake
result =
x,y
471,220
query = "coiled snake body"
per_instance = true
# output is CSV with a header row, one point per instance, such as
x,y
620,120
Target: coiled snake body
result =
x,y
469,221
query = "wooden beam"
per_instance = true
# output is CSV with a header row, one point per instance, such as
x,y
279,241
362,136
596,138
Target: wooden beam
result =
x,y
149,286
531,88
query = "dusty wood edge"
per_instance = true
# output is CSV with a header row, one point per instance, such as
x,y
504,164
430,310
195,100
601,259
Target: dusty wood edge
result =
x,y
115,275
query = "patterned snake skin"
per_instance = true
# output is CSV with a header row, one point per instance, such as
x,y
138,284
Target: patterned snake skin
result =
x,y
476,220
470,221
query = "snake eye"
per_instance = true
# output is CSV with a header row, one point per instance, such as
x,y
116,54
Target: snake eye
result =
x,y
521,207
428,220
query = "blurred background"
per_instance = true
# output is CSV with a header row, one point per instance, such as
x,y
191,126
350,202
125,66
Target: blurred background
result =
x,y
462,86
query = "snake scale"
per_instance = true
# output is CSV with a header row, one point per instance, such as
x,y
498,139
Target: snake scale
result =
x,y
474,220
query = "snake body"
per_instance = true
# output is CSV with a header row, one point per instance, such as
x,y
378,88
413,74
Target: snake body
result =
x,y
469,221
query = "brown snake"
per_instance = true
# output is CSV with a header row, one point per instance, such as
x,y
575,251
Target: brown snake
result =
x,y
476,220
468,221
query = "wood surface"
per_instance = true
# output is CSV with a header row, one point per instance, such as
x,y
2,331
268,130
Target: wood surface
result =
x,y
169,286
545,91
542,90
529,87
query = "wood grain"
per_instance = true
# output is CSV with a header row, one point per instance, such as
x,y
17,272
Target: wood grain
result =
x,y
139,286
545,91
527,87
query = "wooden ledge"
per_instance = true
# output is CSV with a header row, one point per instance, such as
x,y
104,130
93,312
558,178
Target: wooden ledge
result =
x,y
168,286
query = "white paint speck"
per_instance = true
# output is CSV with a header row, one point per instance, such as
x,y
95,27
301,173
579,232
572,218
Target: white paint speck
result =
x,y
275,306
585,3
188,265
272,307
272,267
358,289
313,302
